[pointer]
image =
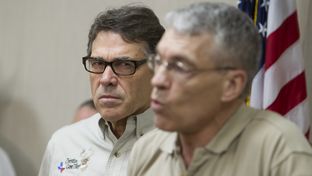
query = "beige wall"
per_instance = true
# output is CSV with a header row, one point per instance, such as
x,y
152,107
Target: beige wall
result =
x,y
42,80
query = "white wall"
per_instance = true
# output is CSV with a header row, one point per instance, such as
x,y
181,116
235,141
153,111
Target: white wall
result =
x,y
42,79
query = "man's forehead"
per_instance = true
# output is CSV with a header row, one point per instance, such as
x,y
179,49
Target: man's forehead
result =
x,y
109,44
113,39
174,41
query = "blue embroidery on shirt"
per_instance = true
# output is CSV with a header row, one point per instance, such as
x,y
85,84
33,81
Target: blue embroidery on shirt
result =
x,y
60,167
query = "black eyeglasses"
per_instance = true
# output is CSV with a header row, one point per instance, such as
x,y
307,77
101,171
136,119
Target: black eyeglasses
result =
x,y
122,66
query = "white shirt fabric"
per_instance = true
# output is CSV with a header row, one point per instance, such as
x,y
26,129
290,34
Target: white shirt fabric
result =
x,y
89,148
6,167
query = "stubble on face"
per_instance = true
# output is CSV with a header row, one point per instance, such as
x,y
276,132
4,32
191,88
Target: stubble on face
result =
x,y
179,105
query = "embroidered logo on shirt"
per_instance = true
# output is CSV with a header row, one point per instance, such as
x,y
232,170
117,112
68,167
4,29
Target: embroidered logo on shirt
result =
x,y
60,167
73,163
85,157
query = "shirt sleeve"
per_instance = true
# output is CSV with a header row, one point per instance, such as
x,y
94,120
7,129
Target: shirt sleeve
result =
x,y
296,164
47,160
6,167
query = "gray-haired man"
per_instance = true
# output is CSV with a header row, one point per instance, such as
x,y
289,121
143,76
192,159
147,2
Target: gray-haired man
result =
x,y
203,70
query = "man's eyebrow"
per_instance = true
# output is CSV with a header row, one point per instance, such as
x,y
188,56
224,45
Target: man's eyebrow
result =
x,y
96,57
122,58
182,58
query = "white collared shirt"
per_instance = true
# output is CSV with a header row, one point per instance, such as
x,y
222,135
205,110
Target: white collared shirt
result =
x,y
89,148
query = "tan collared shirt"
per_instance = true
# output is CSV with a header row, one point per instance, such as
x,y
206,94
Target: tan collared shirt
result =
x,y
252,143
89,148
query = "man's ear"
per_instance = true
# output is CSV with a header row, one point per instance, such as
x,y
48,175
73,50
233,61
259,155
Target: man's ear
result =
x,y
233,85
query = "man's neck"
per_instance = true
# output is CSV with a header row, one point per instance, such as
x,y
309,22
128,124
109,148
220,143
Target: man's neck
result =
x,y
189,142
119,127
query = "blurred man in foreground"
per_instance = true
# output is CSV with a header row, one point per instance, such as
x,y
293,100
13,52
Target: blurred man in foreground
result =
x,y
204,66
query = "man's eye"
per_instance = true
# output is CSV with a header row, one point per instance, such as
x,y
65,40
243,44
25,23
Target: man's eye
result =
x,y
158,62
179,67
123,64
96,63
126,64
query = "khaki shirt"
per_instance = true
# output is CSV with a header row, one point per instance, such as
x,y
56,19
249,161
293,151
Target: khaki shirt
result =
x,y
89,148
252,143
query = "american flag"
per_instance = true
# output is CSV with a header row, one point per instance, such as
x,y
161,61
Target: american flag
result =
x,y
280,83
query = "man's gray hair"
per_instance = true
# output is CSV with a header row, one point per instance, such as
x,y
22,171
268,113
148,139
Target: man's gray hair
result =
x,y
234,34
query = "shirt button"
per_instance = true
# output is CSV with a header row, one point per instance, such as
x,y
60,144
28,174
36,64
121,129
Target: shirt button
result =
x,y
117,154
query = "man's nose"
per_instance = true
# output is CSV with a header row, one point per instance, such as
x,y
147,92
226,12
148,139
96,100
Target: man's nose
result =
x,y
161,78
108,76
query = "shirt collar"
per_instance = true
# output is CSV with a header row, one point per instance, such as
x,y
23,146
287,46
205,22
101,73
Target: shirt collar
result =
x,y
143,123
222,141
231,130
170,144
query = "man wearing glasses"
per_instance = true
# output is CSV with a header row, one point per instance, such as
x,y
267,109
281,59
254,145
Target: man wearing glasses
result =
x,y
120,41
203,68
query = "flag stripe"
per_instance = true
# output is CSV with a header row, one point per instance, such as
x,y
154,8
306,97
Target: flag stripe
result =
x,y
277,77
279,40
300,111
279,10
256,98
295,91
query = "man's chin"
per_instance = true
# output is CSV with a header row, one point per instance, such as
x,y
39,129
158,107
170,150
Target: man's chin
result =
x,y
111,115
164,124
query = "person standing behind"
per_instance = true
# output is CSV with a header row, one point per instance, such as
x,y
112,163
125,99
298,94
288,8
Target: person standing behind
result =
x,y
119,42
204,67
85,110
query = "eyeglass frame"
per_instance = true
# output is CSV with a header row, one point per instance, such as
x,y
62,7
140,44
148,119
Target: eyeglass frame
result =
x,y
151,62
137,64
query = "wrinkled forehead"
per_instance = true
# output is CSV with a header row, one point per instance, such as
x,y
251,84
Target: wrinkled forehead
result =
x,y
109,45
